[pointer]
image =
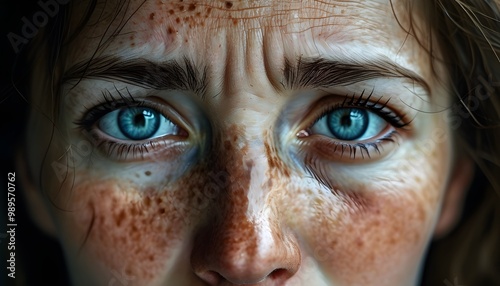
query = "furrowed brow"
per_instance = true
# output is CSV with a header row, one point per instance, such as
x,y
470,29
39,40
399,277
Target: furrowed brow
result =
x,y
171,75
325,73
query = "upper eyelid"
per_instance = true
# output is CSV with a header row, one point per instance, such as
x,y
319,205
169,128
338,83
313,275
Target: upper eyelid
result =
x,y
97,112
397,118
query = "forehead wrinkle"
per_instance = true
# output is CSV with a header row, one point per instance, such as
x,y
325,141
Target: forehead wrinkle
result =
x,y
341,19
288,16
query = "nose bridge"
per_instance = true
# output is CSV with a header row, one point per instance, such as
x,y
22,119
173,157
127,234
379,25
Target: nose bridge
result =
x,y
235,173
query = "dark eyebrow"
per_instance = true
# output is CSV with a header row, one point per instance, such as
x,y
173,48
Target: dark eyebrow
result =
x,y
323,73
170,75
185,75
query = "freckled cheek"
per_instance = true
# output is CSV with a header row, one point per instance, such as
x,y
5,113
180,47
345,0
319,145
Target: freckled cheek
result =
x,y
357,239
385,237
127,233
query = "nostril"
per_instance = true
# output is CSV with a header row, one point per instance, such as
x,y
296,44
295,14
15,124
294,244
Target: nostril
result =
x,y
277,276
211,277
280,274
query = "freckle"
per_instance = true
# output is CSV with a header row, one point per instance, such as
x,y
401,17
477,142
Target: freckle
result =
x,y
171,12
170,30
359,243
249,164
147,202
177,20
235,21
198,14
119,219
181,8
133,44
186,40
152,16
191,7
161,211
159,201
229,4
147,173
269,184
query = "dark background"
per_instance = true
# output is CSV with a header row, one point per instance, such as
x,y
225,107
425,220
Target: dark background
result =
x,y
36,254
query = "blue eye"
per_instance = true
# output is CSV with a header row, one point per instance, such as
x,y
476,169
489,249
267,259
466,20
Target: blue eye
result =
x,y
137,123
348,124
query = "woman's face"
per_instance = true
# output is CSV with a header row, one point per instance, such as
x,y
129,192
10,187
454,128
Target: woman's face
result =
x,y
246,142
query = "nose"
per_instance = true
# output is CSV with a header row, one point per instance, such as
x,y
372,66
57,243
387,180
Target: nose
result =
x,y
243,241
238,251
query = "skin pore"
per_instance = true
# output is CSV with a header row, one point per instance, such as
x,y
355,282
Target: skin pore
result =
x,y
248,190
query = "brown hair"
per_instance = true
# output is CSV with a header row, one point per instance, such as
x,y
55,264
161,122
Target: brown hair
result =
x,y
467,32
468,36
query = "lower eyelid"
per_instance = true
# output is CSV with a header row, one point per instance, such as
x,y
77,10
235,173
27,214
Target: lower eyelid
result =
x,y
141,151
331,150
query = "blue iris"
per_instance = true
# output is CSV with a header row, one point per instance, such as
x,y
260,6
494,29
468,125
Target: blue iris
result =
x,y
138,123
348,123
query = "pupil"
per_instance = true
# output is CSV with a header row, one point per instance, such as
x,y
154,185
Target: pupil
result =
x,y
346,120
139,120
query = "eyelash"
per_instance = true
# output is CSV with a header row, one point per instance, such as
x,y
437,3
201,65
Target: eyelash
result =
x,y
113,147
398,121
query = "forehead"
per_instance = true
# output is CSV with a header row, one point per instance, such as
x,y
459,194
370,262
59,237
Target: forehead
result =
x,y
255,35
169,25
287,16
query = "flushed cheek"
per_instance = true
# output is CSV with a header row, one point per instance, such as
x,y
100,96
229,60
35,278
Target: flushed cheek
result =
x,y
132,236
379,241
